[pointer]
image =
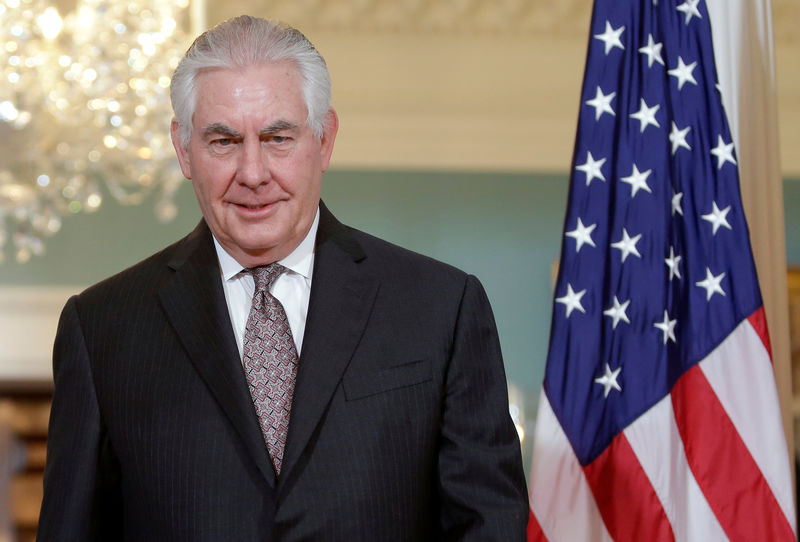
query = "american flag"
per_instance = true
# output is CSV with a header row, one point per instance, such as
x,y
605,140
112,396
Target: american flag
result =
x,y
659,417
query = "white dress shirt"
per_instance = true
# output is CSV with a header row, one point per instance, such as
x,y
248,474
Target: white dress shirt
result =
x,y
292,288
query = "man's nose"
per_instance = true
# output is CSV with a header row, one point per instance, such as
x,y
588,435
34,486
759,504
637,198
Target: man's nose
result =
x,y
253,165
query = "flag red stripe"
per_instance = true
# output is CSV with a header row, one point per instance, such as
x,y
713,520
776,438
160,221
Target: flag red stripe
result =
x,y
759,322
626,499
535,533
723,467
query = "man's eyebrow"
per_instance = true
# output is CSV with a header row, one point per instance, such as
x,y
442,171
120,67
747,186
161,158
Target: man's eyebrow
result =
x,y
220,129
278,126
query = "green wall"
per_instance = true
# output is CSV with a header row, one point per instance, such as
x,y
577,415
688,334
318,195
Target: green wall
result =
x,y
503,228
791,213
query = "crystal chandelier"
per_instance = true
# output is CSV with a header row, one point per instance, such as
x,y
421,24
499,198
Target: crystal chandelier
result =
x,y
84,112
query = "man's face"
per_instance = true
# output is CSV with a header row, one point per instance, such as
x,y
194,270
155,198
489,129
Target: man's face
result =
x,y
254,162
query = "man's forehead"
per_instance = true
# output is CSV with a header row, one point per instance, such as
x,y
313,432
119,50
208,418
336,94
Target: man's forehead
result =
x,y
286,67
260,95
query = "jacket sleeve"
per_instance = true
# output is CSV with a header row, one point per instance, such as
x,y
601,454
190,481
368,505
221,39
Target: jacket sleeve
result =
x,y
81,495
481,479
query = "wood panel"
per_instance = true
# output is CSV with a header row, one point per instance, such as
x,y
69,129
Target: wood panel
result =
x,y
24,415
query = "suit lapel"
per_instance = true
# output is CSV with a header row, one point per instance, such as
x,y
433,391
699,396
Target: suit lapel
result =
x,y
195,304
339,307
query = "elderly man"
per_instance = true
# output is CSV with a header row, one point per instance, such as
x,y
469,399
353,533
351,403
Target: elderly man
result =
x,y
275,375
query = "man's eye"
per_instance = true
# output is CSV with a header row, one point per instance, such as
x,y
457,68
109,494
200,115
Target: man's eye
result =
x,y
223,142
277,139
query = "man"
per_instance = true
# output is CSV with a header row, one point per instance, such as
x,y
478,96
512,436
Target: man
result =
x,y
358,396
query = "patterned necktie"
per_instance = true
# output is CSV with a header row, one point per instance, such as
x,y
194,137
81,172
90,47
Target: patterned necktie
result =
x,y
270,362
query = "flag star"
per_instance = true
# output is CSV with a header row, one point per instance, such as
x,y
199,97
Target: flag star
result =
x,y
572,300
689,7
683,73
609,380
627,245
672,262
653,51
601,103
582,235
676,203
617,312
711,284
717,217
592,168
646,115
724,152
611,37
638,180
678,138
667,326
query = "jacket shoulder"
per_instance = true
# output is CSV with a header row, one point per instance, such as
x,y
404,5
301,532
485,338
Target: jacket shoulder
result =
x,y
410,275
389,254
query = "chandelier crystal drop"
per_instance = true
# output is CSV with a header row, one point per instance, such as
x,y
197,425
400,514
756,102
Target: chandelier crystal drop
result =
x,y
84,112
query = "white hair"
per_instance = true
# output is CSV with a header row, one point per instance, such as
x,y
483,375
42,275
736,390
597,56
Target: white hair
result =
x,y
247,41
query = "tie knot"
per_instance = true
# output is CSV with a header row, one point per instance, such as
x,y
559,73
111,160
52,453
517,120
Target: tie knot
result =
x,y
265,275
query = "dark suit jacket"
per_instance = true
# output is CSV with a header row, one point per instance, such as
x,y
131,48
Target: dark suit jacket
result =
x,y
399,430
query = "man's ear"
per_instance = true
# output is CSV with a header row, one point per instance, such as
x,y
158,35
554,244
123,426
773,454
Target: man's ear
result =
x,y
329,129
180,150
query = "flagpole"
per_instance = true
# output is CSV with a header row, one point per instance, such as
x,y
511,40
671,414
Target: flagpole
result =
x,y
197,16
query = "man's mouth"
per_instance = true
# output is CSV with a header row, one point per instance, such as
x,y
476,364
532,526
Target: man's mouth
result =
x,y
252,206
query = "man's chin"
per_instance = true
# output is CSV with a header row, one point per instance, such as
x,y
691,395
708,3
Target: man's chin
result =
x,y
255,252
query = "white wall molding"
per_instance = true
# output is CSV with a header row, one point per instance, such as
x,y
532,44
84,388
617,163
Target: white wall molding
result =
x,y
28,320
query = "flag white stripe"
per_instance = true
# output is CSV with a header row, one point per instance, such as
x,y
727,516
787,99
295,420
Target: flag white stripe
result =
x,y
741,374
657,444
560,495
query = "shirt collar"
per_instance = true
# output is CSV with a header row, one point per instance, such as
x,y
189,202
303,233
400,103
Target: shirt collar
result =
x,y
300,260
